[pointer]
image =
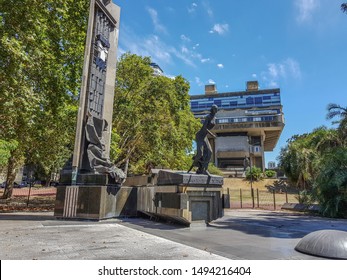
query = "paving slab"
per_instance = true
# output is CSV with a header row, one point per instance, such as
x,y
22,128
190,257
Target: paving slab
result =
x,y
28,236
240,234
248,234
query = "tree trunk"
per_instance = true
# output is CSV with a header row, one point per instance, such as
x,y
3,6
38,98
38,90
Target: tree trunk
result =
x,y
126,167
10,177
48,180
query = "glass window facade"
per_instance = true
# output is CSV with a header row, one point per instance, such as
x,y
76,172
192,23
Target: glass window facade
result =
x,y
248,119
236,101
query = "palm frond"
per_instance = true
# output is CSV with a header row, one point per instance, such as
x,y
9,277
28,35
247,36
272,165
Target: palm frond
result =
x,y
335,110
344,7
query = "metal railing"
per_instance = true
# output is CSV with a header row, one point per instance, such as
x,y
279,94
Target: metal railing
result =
x,y
262,199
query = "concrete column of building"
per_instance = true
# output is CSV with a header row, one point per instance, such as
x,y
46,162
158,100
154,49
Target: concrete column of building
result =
x,y
262,139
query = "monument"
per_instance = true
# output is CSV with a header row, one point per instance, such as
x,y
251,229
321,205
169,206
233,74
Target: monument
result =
x,y
93,188
187,197
203,147
86,188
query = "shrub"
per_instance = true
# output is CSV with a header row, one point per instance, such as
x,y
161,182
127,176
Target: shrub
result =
x,y
255,173
212,169
270,173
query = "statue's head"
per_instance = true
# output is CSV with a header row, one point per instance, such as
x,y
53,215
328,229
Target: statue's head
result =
x,y
214,109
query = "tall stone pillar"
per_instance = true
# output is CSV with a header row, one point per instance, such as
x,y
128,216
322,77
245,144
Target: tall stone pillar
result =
x,y
86,187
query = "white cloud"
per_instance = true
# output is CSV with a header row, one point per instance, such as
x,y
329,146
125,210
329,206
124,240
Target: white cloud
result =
x,y
287,69
208,9
184,50
220,28
210,81
195,46
254,76
195,55
185,38
192,8
220,65
160,51
293,67
204,60
305,9
152,46
198,81
155,20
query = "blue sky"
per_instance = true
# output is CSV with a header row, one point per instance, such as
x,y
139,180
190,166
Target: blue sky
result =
x,y
299,46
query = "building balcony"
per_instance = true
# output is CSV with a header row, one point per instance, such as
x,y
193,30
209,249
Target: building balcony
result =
x,y
271,130
233,152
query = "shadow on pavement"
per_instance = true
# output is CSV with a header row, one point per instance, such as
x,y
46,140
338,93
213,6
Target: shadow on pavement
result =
x,y
27,216
278,225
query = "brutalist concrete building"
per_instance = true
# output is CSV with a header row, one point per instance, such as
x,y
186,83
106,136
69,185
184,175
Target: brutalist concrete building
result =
x,y
248,124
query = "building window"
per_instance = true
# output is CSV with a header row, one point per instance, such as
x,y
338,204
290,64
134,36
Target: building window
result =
x,y
223,120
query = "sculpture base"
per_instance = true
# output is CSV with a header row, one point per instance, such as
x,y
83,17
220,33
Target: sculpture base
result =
x,y
169,177
94,202
175,196
183,197
93,179
181,204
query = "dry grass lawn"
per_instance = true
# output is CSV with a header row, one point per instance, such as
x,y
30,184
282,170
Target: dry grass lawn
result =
x,y
240,193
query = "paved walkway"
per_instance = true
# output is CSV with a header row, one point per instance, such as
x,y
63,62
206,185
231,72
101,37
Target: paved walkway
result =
x,y
240,234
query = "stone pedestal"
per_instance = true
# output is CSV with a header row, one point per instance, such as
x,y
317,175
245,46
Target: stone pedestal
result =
x,y
183,197
95,202
175,196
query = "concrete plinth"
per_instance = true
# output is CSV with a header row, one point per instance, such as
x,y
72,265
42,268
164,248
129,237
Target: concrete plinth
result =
x,y
94,202
167,177
184,198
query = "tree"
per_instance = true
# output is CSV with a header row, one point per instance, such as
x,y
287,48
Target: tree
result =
x,y
254,173
317,162
330,187
297,160
5,151
334,111
152,121
344,7
41,55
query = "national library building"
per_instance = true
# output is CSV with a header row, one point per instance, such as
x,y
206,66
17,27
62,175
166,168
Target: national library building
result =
x,y
248,123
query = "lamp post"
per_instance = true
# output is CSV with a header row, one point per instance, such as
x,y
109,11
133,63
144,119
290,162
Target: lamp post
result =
x,y
250,169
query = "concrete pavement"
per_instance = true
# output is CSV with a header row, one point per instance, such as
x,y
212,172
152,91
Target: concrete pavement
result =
x,y
240,234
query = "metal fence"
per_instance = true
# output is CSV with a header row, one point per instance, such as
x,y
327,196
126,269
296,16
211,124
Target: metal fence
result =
x,y
31,196
34,191
263,199
238,198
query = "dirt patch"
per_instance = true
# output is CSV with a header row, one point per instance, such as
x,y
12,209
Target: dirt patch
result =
x,y
35,204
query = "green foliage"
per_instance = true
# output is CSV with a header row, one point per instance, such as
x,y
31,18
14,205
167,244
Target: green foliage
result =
x,y
41,55
152,121
254,173
304,197
212,169
299,159
270,173
5,151
330,187
334,111
317,162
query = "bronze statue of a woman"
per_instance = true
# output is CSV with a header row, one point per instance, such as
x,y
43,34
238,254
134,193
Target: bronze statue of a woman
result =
x,y
203,147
